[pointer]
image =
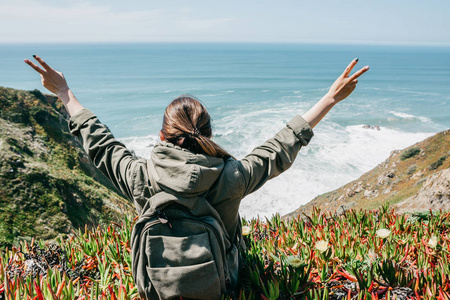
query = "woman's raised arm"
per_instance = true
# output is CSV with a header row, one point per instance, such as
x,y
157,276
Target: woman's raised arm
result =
x,y
277,154
109,155
55,82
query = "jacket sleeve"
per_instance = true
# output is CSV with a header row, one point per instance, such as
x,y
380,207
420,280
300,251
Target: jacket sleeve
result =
x,y
275,156
110,156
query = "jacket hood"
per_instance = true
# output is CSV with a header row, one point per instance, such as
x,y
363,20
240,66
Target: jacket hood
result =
x,y
181,172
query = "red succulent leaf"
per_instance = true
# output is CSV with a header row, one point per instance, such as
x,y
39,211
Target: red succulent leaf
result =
x,y
38,291
347,275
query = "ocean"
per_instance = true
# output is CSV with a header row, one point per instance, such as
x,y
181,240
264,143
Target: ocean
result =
x,y
251,91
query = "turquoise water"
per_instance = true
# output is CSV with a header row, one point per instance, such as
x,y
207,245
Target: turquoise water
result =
x,y
251,90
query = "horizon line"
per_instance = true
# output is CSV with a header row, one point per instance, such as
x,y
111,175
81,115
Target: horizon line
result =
x,y
343,43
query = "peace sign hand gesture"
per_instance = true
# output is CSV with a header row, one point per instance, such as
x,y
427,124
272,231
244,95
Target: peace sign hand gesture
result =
x,y
55,82
345,84
51,79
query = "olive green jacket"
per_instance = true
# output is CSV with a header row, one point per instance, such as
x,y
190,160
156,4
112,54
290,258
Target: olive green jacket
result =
x,y
183,173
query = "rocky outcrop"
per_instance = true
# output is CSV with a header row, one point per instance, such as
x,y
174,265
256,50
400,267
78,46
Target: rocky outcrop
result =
x,y
48,186
434,194
414,179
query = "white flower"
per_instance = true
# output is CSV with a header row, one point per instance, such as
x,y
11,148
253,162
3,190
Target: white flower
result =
x,y
246,230
294,261
322,246
432,243
383,233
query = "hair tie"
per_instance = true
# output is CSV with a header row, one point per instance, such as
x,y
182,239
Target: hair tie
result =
x,y
196,132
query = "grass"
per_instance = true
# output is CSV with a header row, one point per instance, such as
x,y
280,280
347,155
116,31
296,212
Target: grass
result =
x,y
322,256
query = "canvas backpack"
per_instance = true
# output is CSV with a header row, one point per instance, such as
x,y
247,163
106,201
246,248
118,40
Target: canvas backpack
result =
x,y
180,248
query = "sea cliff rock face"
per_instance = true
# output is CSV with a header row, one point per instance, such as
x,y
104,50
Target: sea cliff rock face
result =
x,y
48,185
434,194
412,180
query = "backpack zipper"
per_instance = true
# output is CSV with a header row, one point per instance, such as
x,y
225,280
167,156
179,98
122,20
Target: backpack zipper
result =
x,y
150,224
162,217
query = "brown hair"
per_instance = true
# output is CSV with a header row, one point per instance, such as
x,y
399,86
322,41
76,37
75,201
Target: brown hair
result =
x,y
187,124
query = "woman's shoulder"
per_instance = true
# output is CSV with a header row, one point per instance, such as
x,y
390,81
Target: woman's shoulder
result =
x,y
232,173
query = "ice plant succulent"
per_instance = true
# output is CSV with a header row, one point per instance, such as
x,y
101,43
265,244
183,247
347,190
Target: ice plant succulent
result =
x,y
321,246
294,261
383,233
246,230
433,241
283,260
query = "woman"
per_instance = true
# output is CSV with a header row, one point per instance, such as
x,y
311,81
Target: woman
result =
x,y
187,163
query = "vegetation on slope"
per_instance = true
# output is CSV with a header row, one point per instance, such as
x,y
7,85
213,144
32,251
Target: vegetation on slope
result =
x,y
47,184
398,180
356,255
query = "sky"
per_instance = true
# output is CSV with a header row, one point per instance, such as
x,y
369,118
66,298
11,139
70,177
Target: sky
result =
x,y
283,21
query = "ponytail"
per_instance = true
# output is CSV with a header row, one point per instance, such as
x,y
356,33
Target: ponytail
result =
x,y
187,124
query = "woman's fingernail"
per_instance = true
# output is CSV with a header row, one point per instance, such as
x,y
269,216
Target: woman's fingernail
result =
x,y
34,55
356,59
367,67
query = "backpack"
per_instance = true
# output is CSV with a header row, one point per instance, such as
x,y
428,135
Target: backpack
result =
x,y
180,248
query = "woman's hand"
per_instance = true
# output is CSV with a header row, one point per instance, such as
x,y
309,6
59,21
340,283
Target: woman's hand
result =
x,y
51,79
346,84
341,89
55,82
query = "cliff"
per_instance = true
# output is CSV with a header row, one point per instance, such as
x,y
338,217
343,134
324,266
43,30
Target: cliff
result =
x,y
48,185
415,179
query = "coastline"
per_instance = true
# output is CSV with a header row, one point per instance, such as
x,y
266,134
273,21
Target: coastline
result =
x,y
415,179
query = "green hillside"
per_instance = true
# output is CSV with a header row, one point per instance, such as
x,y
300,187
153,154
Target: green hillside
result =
x,y
48,186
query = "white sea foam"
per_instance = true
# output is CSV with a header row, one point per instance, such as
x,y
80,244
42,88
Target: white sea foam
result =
x,y
414,92
335,156
410,117
159,92
142,146
219,93
402,115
